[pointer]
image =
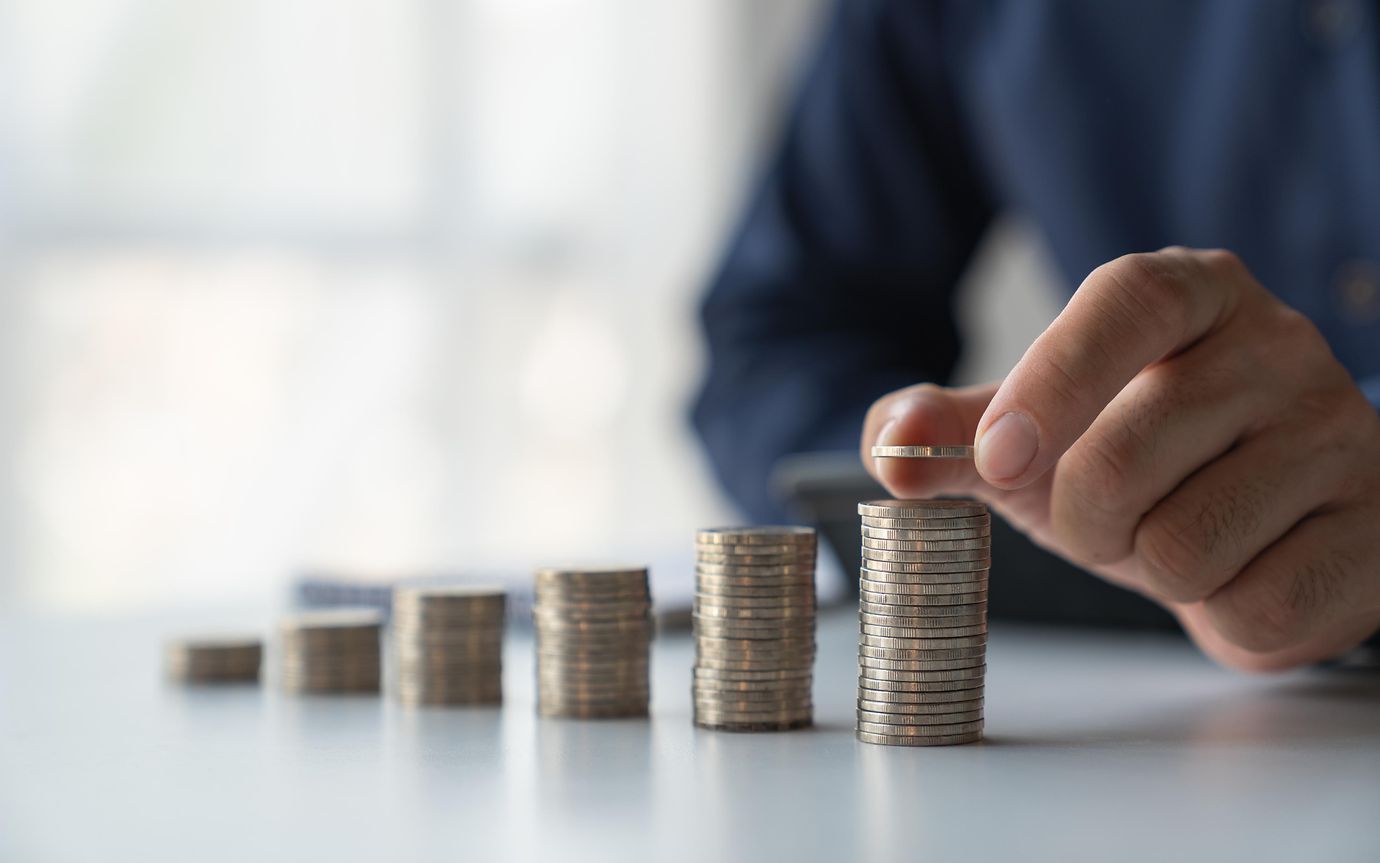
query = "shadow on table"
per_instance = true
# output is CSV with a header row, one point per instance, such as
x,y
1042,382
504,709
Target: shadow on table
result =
x,y
1336,707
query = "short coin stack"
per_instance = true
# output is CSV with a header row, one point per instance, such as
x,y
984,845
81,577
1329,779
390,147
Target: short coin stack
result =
x,y
331,651
754,620
923,616
448,644
594,633
214,659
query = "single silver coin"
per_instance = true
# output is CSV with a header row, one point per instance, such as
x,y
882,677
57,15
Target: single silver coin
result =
x,y
947,740
921,664
882,534
878,554
966,522
871,568
947,594
945,451
923,633
924,545
921,508
899,582
975,672
914,719
935,708
764,535
872,684
937,653
936,614
918,697
951,730
933,643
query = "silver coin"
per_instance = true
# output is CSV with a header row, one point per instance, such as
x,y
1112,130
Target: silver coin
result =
x,y
899,603
709,713
549,623
925,624
936,615
871,535
769,674
768,658
724,583
920,508
923,633
877,554
797,599
917,697
949,730
581,712
938,653
906,582
924,545
785,612
762,697
802,592
740,707
333,619
793,549
801,626
905,594
711,664
556,594
946,451
729,687
937,523
871,568
920,664
947,740
915,719
942,642
772,571
871,685
974,672
792,725
764,535
934,708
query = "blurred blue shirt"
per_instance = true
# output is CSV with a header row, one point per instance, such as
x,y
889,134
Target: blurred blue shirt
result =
x,y
1251,125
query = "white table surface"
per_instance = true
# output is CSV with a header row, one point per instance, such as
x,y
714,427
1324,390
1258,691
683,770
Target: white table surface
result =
x,y
1099,747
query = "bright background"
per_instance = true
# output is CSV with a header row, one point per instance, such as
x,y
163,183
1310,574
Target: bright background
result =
x,y
374,286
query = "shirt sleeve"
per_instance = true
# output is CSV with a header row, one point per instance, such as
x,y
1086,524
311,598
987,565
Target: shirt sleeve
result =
x,y
838,285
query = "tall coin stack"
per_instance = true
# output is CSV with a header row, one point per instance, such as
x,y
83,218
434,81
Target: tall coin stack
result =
x,y
594,632
923,616
214,659
331,651
448,644
754,620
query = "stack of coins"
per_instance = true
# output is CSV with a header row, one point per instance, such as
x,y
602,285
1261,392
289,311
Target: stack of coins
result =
x,y
594,632
214,659
448,644
331,651
923,614
754,620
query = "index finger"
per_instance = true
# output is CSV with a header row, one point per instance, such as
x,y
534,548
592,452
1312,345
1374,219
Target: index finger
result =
x,y
1126,315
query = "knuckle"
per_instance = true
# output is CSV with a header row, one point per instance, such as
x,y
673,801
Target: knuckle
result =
x,y
1146,292
1278,610
1252,620
1173,564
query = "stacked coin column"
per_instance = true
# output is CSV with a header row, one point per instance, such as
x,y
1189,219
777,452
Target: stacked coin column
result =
x,y
754,620
214,660
594,633
331,651
923,616
448,644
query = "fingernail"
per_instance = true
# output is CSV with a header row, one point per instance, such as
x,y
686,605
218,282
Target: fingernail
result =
x,y
1008,447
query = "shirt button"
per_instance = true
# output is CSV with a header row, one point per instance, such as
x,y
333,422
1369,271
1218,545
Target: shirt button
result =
x,y
1358,291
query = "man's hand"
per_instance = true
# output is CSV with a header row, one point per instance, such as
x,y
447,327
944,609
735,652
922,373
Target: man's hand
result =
x,y
1182,433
